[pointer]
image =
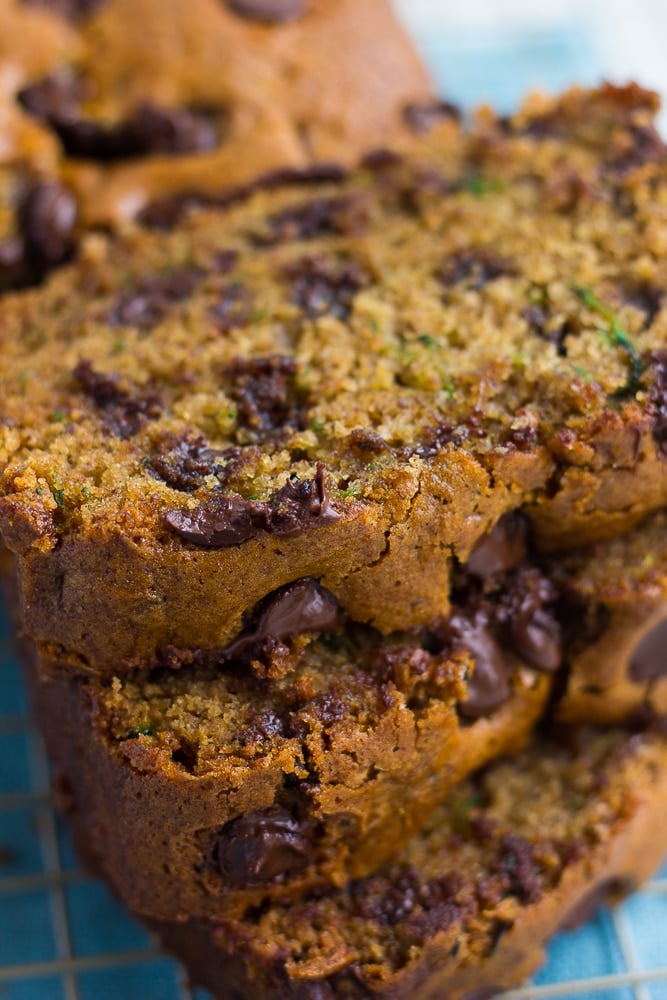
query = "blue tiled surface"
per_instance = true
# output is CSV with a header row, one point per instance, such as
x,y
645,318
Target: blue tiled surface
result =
x,y
481,68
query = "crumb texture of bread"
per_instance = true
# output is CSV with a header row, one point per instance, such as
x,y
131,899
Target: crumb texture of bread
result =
x,y
351,380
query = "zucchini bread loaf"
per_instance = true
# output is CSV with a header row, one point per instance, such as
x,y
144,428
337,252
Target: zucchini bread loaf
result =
x,y
313,748
352,380
525,848
146,98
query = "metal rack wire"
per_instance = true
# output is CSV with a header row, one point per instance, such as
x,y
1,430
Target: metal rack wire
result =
x,y
62,937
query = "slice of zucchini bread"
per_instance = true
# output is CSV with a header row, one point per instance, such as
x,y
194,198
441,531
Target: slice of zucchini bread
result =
x,y
312,748
525,848
351,380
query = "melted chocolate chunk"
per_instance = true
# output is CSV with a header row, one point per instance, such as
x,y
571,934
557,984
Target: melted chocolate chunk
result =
x,y
184,462
12,263
490,685
262,848
265,393
474,267
391,901
658,399
222,521
365,441
517,861
225,261
534,632
124,412
71,10
648,660
165,213
53,98
217,523
269,11
379,160
422,118
302,606
153,297
436,440
47,218
57,100
321,287
337,216
502,549
646,147
233,308
300,504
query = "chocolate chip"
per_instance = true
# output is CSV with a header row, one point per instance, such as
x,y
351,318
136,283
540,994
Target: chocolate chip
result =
x,y
474,267
265,393
149,129
364,441
71,10
302,606
53,98
502,549
308,220
184,462
225,261
153,297
269,11
164,214
435,440
658,399
534,632
490,685
223,521
321,286
233,308
316,173
423,118
217,523
47,219
382,159
648,660
13,268
124,412
299,504
263,848
518,860
646,146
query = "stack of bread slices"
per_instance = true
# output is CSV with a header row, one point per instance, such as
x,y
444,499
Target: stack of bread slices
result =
x,y
333,491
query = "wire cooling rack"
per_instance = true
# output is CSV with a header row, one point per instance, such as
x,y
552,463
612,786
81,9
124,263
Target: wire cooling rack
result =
x,y
64,937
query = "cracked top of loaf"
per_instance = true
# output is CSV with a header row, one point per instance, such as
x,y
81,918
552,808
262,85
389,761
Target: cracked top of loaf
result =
x,y
348,376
